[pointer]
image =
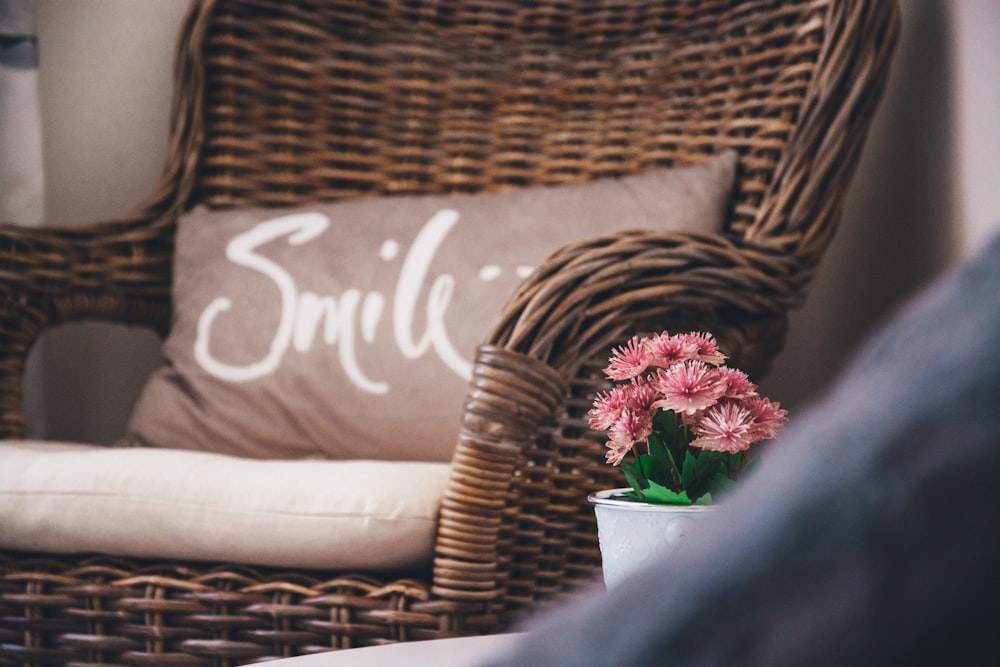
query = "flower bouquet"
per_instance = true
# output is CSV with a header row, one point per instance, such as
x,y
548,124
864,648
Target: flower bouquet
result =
x,y
688,421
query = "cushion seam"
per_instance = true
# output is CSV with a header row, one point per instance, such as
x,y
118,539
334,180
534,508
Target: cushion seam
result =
x,y
218,508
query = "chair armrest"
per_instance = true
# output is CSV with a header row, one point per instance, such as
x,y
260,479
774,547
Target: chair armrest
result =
x,y
117,271
511,398
592,293
512,471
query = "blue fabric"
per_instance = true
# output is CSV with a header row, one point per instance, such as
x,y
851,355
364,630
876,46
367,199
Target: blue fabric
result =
x,y
868,535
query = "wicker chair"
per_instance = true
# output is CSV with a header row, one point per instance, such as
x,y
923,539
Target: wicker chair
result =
x,y
284,103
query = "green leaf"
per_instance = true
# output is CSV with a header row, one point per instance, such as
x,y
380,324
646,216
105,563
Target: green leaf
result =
x,y
697,467
635,475
665,421
675,438
630,476
689,470
712,463
720,483
662,467
705,499
633,495
700,468
641,468
749,466
658,494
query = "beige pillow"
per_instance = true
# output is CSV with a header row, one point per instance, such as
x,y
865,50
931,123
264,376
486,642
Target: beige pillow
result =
x,y
161,503
347,330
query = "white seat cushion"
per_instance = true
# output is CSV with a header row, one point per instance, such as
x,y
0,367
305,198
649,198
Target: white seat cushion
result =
x,y
187,505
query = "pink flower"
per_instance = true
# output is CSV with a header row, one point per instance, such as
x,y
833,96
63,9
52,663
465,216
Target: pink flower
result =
x,y
617,451
632,426
637,396
769,419
737,383
705,405
687,387
703,347
666,350
725,427
628,360
608,408
640,394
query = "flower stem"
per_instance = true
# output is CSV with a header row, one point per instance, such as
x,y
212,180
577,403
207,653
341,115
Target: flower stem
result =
x,y
744,459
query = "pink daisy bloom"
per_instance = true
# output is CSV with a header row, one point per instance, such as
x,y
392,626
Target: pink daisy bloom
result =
x,y
724,428
666,350
632,426
628,360
617,451
737,383
768,418
687,387
608,408
703,347
640,394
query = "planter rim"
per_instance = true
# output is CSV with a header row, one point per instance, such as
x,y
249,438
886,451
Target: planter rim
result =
x,y
607,497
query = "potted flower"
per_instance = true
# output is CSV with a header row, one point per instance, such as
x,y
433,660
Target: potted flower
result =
x,y
682,427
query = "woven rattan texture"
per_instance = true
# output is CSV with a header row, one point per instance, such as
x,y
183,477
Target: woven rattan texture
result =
x,y
486,94
287,103
137,613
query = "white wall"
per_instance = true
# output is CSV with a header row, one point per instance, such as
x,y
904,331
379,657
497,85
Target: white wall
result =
x,y
976,61
105,79
22,177
925,195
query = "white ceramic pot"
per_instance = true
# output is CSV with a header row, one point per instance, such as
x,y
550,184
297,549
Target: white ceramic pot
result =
x,y
633,534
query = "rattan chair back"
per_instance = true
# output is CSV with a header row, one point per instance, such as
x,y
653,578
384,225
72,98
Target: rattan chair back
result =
x,y
282,103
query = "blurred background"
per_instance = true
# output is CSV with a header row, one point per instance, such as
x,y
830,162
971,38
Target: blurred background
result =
x,y
85,90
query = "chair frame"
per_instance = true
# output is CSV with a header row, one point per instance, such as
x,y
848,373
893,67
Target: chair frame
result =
x,y
284,103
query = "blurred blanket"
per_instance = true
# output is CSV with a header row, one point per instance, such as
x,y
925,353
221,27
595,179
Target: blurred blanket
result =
x,y
868,535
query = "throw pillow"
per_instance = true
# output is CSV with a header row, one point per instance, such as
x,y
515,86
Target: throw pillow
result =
x,y
347,330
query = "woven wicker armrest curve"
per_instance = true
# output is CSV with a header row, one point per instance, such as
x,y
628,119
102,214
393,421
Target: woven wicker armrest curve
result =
x,y
511,397
117,271
513,529
593,292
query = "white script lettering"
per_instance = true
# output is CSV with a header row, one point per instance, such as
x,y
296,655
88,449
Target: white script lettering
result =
x,y
304,314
